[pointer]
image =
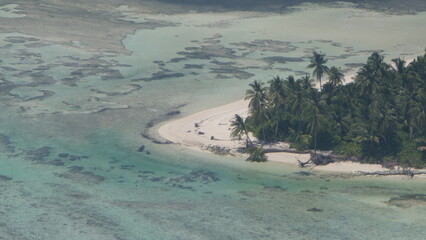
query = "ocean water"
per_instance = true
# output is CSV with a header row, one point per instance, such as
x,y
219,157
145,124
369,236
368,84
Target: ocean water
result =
x,y
75,117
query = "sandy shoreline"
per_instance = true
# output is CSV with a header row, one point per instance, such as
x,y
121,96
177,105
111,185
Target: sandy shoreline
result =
x,y
212,127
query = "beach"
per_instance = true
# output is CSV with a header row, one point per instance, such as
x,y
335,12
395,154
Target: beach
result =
x,y
212,127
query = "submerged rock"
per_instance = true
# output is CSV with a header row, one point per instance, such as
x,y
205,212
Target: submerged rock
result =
x,y
196,176
157,179
83,177
56,162
38,154
275,188
304,173
141,148
76,168
315,209
182,187
71,157
5,144
182,179
126,167
173,113
407,200
63,155
204,176
5,178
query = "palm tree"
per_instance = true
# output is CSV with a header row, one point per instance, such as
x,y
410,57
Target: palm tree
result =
x,y
376,62
257,96
306,83
418,116
367,81
295,101
399,65
258,104
383,121
277,97
335,76
407,105
239,129
276,91
312,112
318,62
291,80
298,92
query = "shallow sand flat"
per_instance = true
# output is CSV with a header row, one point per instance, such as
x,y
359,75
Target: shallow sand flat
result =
x,y
9,11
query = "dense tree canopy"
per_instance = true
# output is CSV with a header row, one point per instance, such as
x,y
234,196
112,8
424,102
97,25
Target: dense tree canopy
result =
x,y
380,117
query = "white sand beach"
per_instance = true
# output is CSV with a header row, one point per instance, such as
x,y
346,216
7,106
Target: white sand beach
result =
x,y
212,127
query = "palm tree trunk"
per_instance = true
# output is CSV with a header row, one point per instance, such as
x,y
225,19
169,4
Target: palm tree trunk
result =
x,y
299,123
248,140
299,126
315,144
276,128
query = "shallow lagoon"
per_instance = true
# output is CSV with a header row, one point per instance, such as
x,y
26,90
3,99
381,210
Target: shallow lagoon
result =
x,y
72,121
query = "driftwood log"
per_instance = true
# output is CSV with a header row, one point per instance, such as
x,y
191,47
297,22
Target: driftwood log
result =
x,y
320,159
404,172
303,164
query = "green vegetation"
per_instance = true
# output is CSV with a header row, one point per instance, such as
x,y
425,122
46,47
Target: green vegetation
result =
x,y
318,62
379,118
240,129
256,154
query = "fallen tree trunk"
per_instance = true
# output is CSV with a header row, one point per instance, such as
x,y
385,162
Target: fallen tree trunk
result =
x,y
409,173
276,150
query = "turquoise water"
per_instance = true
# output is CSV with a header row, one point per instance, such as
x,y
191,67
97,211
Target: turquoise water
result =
x,y
72,122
